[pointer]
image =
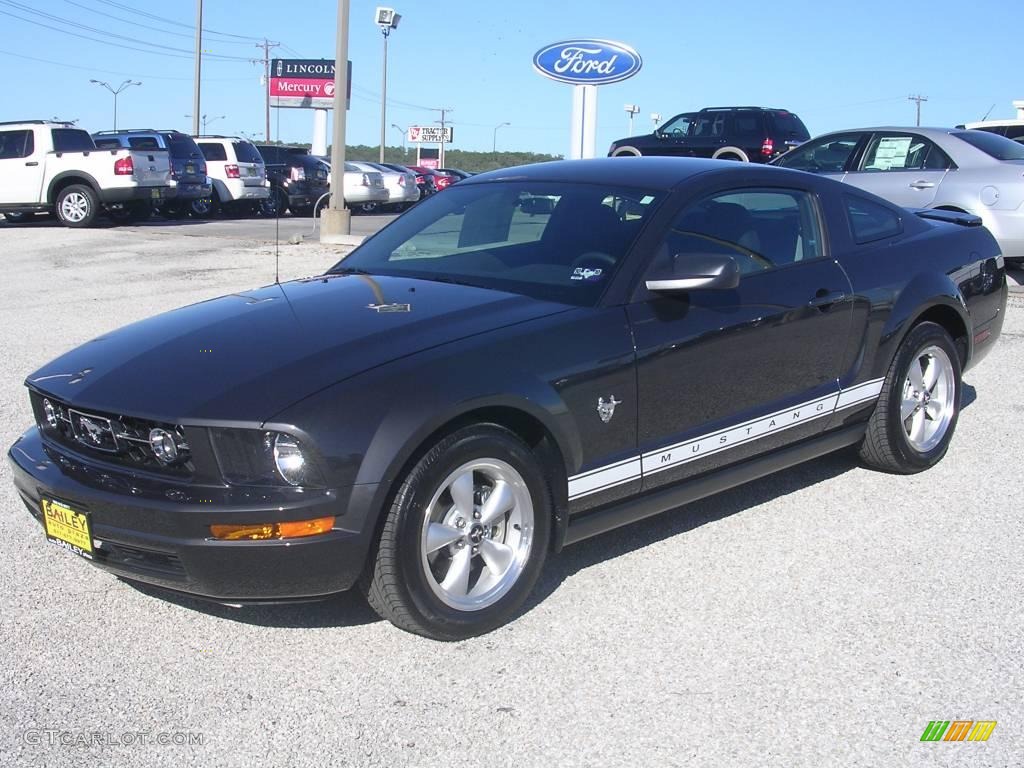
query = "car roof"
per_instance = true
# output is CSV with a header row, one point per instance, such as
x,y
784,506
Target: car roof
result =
x,y
994,123
660,173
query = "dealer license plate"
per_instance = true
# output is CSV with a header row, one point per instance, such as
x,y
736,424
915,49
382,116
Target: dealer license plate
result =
x,y
67,528
190,169
157,193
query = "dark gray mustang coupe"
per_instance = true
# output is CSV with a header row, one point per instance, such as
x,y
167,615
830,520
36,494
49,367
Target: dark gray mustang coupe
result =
x,y
538,355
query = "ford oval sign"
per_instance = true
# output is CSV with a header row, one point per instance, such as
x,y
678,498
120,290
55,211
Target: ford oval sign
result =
x,y
587,62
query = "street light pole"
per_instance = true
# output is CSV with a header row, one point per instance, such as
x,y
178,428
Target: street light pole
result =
x,y
401,131
335,220
198,67
494,142
116,91
387,20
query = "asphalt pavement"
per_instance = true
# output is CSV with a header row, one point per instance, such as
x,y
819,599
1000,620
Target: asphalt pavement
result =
x,y
818,617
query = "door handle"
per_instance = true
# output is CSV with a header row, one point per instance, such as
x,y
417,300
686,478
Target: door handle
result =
x,y
32,163
824,299
922,185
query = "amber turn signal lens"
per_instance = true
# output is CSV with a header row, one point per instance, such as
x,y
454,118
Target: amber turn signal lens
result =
x,y
264,531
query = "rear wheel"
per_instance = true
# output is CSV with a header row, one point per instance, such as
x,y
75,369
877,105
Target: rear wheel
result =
x,y
917,411
77,206
465,538
205,207
275,204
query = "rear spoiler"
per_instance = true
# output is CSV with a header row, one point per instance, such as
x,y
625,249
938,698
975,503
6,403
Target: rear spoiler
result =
x,y
950,217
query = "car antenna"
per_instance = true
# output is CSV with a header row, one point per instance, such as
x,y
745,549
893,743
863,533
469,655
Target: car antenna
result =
x,y
988,113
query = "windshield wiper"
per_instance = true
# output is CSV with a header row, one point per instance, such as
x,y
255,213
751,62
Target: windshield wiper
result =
x,y
349,271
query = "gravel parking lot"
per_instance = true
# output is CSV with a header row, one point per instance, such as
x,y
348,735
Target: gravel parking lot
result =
x,y
819,617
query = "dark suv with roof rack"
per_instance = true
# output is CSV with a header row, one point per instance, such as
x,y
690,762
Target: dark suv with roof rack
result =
x,y
188,166
748,134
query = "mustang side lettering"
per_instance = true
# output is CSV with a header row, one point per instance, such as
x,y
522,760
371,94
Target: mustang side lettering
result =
x,y
539,355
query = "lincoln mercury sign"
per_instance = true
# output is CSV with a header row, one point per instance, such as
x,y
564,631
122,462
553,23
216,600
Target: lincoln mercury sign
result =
x,y
587,62
304,83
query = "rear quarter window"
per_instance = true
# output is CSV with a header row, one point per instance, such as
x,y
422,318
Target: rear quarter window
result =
x,y
246,152
181,145
999,147
143,143
71,140
789,125
871,221
213,152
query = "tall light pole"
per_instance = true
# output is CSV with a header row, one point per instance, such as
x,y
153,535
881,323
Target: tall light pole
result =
x,y
116,91
631,109
196,109
401,131
494,142
387,20
656,118
206,120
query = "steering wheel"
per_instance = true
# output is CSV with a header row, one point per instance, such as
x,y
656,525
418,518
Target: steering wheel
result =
x,y
592,258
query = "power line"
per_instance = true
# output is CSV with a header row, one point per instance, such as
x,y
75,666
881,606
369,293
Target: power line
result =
x,y
114,72
178,52
128,8
161,30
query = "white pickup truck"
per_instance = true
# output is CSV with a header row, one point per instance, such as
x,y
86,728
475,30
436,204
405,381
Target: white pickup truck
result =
x,y
56,168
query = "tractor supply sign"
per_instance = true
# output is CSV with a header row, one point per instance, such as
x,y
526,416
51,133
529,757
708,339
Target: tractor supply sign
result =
x,y
429,134
304,83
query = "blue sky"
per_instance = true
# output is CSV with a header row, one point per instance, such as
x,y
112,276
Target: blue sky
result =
x,y
837,65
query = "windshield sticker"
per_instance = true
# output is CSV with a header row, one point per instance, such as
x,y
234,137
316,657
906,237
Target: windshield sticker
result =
x,y
586,274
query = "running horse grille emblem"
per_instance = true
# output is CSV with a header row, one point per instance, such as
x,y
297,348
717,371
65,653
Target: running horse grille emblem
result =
x,y
606,408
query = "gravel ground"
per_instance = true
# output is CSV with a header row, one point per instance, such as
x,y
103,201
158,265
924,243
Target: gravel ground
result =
x,y
815,618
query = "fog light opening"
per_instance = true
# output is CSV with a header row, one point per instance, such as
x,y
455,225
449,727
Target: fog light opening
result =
x,y
295,529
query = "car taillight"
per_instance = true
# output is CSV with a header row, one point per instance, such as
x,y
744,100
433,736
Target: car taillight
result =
x,y
767,147
232,171
297,174
202,169
401,181
124,167
421,180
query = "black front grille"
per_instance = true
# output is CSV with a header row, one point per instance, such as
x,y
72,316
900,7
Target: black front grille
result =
x,y
140,560
110,437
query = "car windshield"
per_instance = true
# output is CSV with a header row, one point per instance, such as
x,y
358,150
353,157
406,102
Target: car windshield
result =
x,y
999,147
553,241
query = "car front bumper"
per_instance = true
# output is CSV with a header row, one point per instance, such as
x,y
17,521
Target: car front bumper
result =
x,y
157,532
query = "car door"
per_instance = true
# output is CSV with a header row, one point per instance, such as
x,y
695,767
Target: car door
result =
x,y
707,133
673,136
21,170
726,374
904,168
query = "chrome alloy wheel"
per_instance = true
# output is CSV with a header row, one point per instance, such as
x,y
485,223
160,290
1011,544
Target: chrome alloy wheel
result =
x,y
928,399
476,535
74,207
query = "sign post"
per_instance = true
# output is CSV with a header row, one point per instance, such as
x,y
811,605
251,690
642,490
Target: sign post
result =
x,y
430,134
586,64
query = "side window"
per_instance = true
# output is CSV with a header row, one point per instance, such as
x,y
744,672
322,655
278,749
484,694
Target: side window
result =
x,y
708,126
143,142
870,221
828,156
762,229
678,126
71,140
1015,132
895,152
213,152
747,125
16,144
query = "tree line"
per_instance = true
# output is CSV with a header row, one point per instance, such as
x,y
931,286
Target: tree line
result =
x,y
473,162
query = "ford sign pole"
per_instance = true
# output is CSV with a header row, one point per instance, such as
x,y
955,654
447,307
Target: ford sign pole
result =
x,y
335,221
586,64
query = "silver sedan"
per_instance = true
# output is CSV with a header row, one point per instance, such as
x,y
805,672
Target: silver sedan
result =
x,y
947,168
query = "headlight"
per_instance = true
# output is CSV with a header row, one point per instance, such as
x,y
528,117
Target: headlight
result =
x,y
262,457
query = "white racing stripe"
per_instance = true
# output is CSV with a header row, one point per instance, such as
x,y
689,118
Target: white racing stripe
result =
x,y
627,470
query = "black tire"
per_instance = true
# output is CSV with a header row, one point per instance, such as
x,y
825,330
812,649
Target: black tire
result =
x,y
396,581
205,207
886,445
77,206
275,204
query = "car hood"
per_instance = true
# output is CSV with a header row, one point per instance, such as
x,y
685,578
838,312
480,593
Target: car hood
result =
x,y
245,357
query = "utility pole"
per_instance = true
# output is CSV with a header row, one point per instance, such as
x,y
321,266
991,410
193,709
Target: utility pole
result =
x,y
444,134
918,99
335,221
199,67
266,45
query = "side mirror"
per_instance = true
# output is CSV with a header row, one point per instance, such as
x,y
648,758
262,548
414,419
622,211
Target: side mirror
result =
x,y
698,271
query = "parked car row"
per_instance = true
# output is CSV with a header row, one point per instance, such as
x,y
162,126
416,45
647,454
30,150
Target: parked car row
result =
x,y
976,169
54,167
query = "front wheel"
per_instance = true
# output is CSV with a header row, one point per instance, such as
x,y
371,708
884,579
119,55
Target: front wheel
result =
x,y
465,537
919,405
77,206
